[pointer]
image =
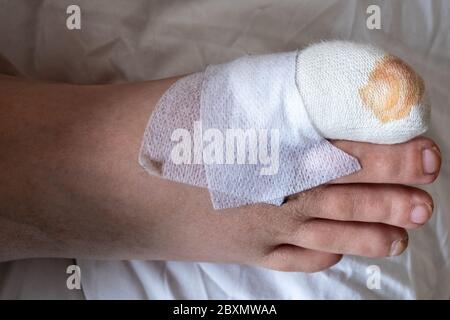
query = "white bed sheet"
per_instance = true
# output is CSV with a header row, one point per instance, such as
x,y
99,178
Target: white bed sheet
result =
x,y
139,39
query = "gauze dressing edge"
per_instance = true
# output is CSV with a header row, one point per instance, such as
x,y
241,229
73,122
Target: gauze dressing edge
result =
x,y
253,130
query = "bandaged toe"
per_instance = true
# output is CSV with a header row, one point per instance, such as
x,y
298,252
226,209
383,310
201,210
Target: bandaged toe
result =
x,y
360,93
255,129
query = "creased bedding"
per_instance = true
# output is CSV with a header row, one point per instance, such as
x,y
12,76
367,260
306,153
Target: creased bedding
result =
x,y
139,40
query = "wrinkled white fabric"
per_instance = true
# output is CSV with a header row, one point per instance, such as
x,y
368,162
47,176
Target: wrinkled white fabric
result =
x,y
137,40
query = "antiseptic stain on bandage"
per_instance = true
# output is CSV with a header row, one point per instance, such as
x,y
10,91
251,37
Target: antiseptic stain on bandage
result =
x,y
359,92
392,90
281,109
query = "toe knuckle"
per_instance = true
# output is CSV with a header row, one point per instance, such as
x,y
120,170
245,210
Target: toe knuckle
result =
x,y
301,205
378,244
400,205
411,163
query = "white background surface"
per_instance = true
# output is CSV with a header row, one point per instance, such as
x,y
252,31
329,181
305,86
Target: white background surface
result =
x,y
141,40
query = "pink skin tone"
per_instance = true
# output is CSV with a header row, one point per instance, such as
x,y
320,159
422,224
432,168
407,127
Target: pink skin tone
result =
x,y
72,187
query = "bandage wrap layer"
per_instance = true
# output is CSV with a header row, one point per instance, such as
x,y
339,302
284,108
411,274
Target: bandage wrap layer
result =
x,y
254,130
360,93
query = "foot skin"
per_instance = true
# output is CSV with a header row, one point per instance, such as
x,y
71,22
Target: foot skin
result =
x,y
72,187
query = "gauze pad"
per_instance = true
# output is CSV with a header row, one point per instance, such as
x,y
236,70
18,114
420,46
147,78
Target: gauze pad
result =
x,y
253,130
360,93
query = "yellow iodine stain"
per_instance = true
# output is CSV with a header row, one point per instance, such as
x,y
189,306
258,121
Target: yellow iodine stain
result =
x,y
392,89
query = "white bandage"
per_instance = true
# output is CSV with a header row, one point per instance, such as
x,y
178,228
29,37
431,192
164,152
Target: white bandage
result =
x,y
360,93
253,130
